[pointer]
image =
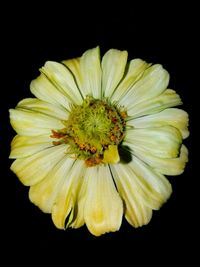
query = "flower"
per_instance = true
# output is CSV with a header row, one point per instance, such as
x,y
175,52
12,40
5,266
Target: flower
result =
x,y
98,139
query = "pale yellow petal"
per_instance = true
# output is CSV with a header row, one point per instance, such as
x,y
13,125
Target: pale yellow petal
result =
x,y
167,99
33,169
23,146
103,207
43,89
153,82
40,106
113,68
163,142
44,193
67,196
91,73
172,116
60,76
79,205
31,123
135,70
149,185
136,212
74,66
172,166
156,181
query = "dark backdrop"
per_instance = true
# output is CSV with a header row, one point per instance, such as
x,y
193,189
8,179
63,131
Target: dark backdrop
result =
x,y
162,34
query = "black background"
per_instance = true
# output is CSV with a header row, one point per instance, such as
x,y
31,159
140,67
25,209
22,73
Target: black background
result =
x,y
162,34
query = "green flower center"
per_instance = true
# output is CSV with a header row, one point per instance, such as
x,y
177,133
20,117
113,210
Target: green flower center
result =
x,y
93,131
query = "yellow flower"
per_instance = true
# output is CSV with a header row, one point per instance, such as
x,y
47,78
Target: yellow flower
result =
x,y
98,139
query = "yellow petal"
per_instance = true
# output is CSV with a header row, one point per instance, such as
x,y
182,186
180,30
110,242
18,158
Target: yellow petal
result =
x,y
153,82
33,169
111,155
163,142
74,66
44,193
136,212
43,89
167,99
149,185
135,70
172,116
91,73
23,146
172,166
68,194
37,105
113,68
31,123
63,80
103,207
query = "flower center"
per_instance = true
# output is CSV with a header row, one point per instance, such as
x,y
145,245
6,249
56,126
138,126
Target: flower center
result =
x,y
93,131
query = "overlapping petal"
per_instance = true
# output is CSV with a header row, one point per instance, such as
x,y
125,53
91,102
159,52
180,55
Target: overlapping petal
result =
x,y
177,118
34,168
163,142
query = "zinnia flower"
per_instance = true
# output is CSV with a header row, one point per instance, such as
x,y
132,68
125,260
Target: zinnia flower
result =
x,y
98,139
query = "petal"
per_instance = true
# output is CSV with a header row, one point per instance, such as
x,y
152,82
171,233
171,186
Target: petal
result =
x,y
74,66
40,106
163,142
136,213
153,82
171,116
173,166
60,76
68,194
150,187
43,89
31,123
91,73
135,70
153,179
167,99
44,193
103,207
33,169
113,68
23,146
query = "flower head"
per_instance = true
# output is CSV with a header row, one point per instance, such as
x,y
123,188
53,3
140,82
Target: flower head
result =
x,y
98,139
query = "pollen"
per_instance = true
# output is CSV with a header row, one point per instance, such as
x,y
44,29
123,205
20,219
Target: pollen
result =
x,y
91,129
